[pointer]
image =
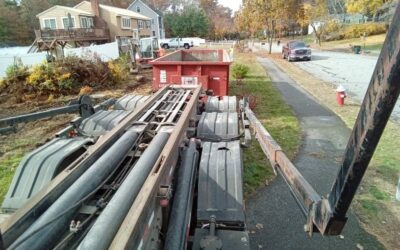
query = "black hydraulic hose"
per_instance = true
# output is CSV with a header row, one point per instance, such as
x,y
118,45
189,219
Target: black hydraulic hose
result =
x,y
45,231
107,224
183,197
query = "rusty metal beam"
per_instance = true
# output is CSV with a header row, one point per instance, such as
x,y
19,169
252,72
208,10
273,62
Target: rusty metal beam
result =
x,y
378,104
302,191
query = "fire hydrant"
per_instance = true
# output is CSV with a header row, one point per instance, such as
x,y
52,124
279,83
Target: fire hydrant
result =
x,y
340,95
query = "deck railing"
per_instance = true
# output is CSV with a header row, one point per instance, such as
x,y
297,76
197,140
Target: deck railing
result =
x,y
73,34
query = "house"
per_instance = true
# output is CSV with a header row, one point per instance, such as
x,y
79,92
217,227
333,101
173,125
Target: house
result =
x,y
157,19
122,23
87,23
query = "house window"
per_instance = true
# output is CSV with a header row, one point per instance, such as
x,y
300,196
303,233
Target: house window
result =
x,y
138,9
67,24
140,24
148,24
86,22
50,23
154,33
126,23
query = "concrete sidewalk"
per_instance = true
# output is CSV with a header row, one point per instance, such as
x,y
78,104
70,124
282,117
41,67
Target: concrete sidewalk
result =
x,y
324,140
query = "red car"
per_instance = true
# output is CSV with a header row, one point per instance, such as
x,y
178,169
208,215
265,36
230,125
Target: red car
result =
x,y
296,50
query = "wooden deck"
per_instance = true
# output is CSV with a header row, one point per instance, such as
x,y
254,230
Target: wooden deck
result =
x,y
80,34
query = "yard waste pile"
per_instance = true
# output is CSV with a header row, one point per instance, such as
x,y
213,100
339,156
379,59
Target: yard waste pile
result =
x,y
65,76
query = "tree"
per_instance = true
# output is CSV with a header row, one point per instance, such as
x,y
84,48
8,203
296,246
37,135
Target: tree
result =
x,y
316,15
268,16
366,7
247,20
191,21
12,28
161,5
219,18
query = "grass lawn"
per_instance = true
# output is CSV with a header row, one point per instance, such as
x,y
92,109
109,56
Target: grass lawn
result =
x,y
371,43
275,115
374,47
376,39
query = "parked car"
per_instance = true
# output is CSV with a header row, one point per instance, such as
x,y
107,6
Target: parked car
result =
x,y
176,43
296,50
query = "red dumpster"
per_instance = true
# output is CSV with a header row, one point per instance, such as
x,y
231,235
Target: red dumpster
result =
x,y
209,68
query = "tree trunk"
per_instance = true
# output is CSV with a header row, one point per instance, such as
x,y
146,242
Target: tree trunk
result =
x,y
317,35
271,36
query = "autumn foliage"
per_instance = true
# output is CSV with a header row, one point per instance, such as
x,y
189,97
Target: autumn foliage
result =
x,y
66,76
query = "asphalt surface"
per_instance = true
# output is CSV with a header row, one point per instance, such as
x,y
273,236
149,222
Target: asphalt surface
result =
x,y
274,219
352,71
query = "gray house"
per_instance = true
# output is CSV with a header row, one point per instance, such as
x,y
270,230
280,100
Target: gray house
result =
x,y
157,19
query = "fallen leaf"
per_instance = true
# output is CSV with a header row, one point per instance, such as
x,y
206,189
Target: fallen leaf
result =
x,y
341,237
259,226
359,246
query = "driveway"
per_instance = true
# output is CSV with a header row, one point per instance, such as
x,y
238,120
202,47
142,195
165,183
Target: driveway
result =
x,y
274,219
350,70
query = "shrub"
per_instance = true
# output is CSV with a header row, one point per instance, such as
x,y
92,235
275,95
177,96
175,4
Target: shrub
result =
x,y
48,78
332,27
240,71
335,31
119,68
15,77
66,76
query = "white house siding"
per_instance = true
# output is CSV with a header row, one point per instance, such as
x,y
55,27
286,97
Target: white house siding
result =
x,y
147,11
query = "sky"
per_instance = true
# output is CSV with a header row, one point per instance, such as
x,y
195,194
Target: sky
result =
x,y
233,4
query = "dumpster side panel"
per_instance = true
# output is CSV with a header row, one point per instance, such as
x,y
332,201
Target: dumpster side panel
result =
x,y
163,75
218,78
210,68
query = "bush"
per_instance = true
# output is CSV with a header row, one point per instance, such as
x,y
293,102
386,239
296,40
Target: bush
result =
x,y
50,78
335,31
332,27
240,71
119,69
15,77
66,76
358,30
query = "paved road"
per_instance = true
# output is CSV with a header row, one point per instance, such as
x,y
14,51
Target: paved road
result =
x,y
352,71
325,137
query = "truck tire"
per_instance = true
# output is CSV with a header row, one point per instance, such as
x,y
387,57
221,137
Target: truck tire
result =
x,y
165,46
186,46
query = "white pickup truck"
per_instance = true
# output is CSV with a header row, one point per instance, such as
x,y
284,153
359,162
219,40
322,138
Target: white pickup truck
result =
x,y
176,43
